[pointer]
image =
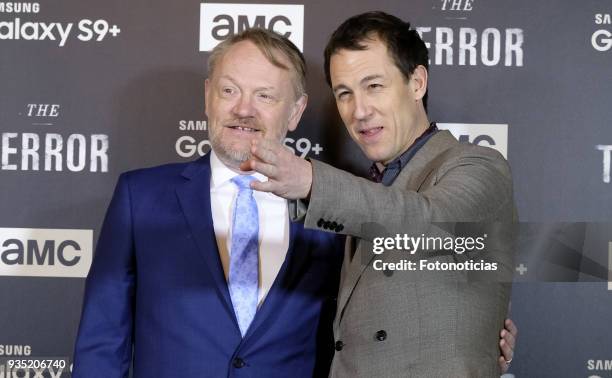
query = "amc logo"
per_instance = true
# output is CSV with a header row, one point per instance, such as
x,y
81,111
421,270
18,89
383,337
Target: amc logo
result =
x,y
39,252
220,21
494,135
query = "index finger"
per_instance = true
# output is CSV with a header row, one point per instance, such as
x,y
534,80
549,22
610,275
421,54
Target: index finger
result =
x,y
263,152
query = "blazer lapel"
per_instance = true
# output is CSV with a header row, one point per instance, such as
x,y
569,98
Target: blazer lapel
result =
x,y
423,163
353,268
412,177
351,272
194,198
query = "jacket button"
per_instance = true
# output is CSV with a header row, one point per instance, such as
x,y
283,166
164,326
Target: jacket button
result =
x,y
340,228
381,335
339,345
238,363
320,222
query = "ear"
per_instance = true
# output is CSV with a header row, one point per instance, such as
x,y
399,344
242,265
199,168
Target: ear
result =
x,y
418,81
206,96
297,111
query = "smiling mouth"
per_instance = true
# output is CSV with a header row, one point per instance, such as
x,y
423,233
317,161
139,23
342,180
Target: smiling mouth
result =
x,y
243,128
370,132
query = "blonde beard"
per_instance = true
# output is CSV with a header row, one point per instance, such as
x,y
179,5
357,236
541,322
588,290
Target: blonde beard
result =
x,y
229,156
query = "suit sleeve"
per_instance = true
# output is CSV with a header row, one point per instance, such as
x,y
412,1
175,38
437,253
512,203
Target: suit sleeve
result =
x,y
470,187
104,342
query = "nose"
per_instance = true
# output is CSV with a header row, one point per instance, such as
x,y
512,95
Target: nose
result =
x,y
363,109
244,106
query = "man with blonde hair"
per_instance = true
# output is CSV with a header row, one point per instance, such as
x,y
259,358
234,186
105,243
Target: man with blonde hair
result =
x,y
195,275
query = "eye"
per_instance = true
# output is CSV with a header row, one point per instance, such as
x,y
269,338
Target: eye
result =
x,y
227,91
375,86
266,97
342,95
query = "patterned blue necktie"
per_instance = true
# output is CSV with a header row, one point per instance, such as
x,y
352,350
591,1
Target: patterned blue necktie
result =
x,y
244,261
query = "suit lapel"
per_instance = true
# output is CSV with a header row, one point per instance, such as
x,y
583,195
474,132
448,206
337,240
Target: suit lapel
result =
x,y
352,269
412,177
423,163
194,198
351,272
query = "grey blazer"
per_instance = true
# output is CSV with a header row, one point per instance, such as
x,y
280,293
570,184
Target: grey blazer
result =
x,y
394,323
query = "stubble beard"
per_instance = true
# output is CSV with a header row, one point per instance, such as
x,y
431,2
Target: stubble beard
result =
x,y
228,154
232,154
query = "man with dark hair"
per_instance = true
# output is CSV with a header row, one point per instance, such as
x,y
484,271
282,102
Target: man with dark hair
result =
x,y
401,323
393,32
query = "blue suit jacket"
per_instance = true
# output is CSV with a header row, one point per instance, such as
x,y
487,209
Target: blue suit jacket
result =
x,y
156,290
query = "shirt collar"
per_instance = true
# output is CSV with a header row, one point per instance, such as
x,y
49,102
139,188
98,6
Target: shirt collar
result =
x,y
221,174
392,170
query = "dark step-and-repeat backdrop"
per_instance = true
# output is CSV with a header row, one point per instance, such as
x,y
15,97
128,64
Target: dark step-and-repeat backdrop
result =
x,y
91,89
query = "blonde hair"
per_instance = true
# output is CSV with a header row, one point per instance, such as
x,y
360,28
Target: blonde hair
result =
x,y
269,43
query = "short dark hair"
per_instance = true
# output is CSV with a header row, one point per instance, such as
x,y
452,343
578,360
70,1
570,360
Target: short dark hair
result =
x,y
405,45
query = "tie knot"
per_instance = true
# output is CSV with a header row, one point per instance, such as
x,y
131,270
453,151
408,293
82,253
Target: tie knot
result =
x,y
243,181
